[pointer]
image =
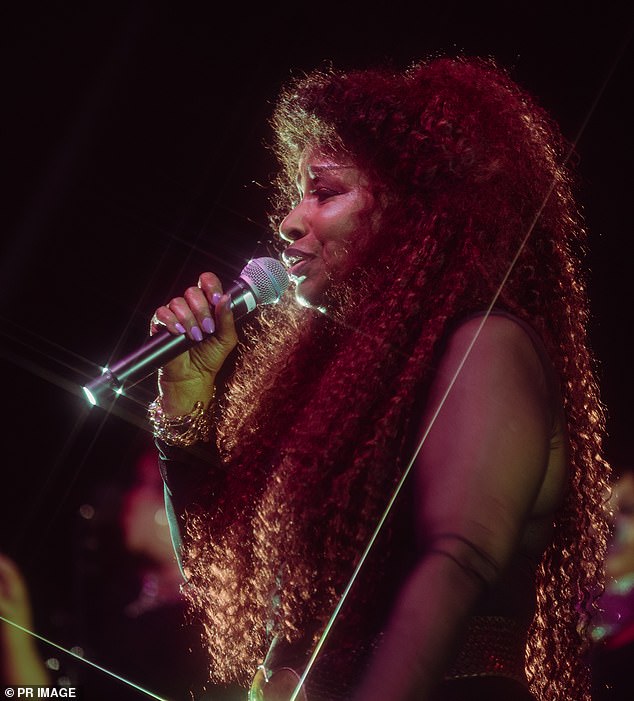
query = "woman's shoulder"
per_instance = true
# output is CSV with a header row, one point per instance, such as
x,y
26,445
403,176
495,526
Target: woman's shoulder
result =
x,y
496,325
488,336
497,336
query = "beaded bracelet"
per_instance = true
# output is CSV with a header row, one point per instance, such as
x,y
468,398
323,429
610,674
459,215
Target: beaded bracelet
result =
x,y
181,431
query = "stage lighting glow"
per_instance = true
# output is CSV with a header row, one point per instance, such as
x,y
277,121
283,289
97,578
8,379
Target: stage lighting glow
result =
x,y
90,396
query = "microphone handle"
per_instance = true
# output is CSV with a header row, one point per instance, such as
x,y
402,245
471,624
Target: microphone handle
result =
x,y
160,349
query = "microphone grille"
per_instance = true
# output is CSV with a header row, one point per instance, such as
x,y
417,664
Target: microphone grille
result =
x,y
267,278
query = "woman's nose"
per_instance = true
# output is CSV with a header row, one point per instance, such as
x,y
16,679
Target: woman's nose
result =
x,y
292,227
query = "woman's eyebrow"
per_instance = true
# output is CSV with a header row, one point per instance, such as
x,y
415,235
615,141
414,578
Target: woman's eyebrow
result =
x,y
316,170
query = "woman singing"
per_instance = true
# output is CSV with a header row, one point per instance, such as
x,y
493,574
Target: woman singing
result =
x,y
438,322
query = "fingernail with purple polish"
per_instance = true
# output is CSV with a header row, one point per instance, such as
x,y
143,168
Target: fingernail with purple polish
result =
x,y
208,325
215,298
179,327
196,333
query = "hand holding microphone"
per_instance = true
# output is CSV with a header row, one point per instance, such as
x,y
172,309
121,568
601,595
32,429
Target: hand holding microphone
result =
x,y
201,322
204,316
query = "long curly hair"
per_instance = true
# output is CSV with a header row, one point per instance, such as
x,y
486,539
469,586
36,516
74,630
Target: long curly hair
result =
x,y
315,419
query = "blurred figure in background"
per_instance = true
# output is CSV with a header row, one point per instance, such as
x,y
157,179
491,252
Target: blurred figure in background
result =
x,y
20,661
614,632
146,536
135,616
128,611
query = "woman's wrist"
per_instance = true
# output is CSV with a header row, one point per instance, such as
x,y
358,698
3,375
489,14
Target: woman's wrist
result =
x,y
179,397
182,413
182,430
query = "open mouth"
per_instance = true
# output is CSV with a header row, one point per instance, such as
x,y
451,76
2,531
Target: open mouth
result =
x,y
296,262
297,272
292,256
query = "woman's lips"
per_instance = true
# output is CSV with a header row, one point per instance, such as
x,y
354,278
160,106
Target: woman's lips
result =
x,y
297,263
298,270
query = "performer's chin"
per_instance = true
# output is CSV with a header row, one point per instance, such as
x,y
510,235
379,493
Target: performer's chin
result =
x,y
307,293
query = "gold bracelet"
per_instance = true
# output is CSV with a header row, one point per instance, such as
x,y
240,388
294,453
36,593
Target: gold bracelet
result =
x,y
184,430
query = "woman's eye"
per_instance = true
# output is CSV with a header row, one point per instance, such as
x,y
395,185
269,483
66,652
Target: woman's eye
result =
x,y
323,193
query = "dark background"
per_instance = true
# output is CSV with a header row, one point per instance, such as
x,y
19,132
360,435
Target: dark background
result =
x,y
133,149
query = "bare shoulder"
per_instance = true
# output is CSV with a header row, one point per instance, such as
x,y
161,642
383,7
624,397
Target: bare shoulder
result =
x,y
496,349
495,334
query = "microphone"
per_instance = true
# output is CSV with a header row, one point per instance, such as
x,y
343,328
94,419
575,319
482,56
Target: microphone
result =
x,y
262,281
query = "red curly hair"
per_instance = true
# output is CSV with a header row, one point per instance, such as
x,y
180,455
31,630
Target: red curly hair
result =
x,y
315,420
